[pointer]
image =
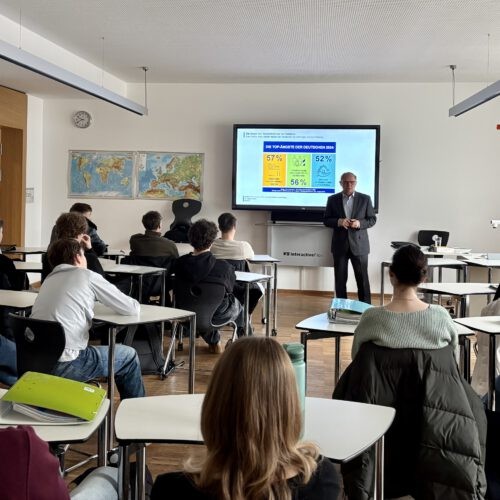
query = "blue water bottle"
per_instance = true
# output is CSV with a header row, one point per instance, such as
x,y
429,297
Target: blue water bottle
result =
x,y
296,353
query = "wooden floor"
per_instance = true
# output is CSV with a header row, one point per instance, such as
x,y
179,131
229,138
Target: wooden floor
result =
x,y
292,308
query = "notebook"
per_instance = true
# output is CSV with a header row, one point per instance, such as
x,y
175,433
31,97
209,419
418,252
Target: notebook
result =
x,y
47,398
346,310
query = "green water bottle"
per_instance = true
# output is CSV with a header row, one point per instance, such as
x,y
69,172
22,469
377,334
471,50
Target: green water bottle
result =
x,y
296,353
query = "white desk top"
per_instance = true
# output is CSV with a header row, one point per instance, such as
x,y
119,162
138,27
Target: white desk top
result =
x,y
486,324
262,259
28,267
432,262
483,262
456,288
320,323
20,300
244,277
110,266
184,248
147,314
450,251
58,433
27,250
342,429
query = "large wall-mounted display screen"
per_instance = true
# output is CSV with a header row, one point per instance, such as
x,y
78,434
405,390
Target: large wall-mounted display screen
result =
x,y
296,167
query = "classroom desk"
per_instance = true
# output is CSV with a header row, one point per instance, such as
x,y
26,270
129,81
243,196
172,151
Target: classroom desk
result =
x,y
432,263
28,267
319,327
23,251
342,429
17,299
461,290
65,434
115,254
147,314
449,252
247,279
266,261
488,264
138,272
491,326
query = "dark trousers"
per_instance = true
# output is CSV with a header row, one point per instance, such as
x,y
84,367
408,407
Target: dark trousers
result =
x,y
360,267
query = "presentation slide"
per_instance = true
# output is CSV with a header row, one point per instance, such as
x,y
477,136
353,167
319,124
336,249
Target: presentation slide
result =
x,y
300,167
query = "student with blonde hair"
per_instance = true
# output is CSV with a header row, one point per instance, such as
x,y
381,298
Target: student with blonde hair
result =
x,y
251,423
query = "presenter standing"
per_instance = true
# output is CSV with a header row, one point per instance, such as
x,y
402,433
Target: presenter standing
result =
x,y
350,214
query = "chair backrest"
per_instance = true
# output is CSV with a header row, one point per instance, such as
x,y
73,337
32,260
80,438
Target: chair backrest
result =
x,y
39,344
239,265
183,210
202,298
151,284
424,237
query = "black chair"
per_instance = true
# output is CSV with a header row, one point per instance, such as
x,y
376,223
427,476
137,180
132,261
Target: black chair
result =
x,y
39,345
424,237
152,284
239,265
183,210
203,299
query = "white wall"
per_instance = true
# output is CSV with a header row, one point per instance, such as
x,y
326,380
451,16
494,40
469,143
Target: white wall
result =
x,y
436,172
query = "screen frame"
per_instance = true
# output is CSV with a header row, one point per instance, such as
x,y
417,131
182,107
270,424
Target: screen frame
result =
x,y
298,209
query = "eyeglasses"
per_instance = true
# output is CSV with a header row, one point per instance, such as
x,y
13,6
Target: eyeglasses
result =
x,y
348,182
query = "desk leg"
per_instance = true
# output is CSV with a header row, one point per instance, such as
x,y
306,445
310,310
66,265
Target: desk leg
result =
x,y
275,299
140,288
337,359
245,307
102,443
141,472
382,279
163,288
379,469
303,341
266,304
124,474
268,307
111,385
192,346
464,306
491,371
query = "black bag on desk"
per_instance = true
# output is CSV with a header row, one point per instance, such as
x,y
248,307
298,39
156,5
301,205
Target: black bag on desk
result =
x,y
147,341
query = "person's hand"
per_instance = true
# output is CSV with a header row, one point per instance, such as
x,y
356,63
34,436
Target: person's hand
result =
x,y
85,239
354,223
344,223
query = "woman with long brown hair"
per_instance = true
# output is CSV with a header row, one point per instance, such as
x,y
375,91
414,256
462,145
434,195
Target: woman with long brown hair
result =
x,y
251,423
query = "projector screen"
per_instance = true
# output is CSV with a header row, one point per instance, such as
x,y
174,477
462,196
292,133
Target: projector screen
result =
x,y
297,167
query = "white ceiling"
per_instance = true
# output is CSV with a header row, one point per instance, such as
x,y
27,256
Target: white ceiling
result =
x,y
271,41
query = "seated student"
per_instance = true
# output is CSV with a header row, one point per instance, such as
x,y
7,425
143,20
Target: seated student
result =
x,y
251,421
29,471
226,247
73,225
85,209
201,266
68,296
8,361
406,321
152,243
10,278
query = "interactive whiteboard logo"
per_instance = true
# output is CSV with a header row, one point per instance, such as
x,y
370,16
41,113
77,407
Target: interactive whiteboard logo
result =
x,y
302,254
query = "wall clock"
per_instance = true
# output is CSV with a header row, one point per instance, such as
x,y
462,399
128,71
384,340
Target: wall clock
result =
x,y
82,119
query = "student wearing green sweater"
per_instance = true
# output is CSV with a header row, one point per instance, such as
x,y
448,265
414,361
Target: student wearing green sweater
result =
x,y
407,321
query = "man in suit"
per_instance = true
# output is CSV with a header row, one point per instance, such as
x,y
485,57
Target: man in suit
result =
x,y
350,214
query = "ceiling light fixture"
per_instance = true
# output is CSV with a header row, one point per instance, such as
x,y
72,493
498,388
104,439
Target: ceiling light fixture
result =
x,y
38,65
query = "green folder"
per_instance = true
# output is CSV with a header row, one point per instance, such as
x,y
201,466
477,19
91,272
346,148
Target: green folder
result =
x,y
63,395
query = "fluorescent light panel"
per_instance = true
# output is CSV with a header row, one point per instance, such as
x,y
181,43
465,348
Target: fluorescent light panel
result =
x,y
41,66
488,93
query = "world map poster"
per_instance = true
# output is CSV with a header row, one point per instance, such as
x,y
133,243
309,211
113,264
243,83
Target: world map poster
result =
x,y
103,174
132,174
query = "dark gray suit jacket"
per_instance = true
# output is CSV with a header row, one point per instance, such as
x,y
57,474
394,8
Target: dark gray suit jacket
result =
x,y
354,239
